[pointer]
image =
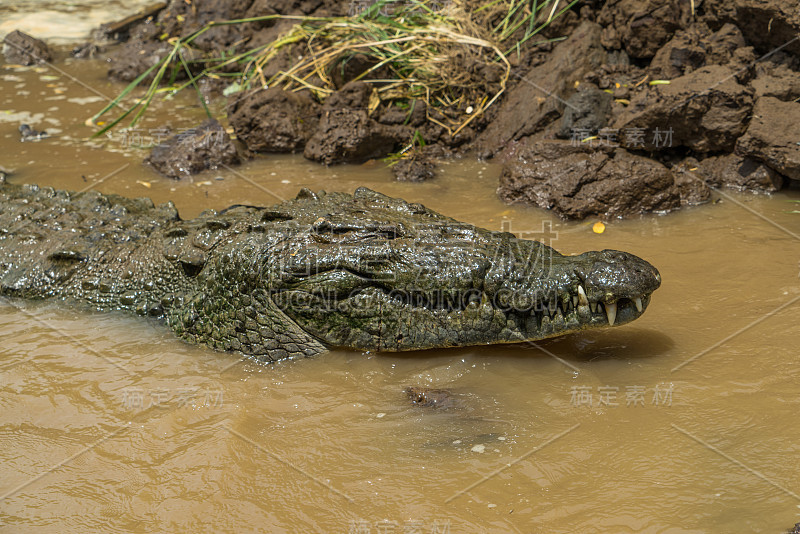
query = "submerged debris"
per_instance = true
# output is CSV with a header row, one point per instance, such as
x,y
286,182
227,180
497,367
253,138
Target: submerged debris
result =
x,y
432,398
29,134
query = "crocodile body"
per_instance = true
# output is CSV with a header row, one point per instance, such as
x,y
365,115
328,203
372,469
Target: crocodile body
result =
x,y
361,271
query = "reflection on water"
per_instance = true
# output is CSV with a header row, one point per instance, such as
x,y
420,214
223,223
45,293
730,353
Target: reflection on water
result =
x,y
680,422
63,22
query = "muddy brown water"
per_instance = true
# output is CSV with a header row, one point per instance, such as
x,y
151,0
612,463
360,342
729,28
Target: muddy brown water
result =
x,y
684,421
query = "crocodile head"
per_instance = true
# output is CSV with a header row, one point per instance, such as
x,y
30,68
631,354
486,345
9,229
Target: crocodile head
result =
x,y
376,273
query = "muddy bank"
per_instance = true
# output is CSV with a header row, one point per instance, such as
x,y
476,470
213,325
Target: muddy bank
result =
x,y
686,94
643,106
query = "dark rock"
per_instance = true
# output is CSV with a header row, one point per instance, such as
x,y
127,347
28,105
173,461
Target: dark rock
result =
x,y
206,147
794,530
773,136
740,173
587,110
22,49
273,120
432,398
641,27
578,181
697,46
538,97
706,110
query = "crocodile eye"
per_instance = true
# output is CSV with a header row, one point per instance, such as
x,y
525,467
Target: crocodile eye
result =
x,y
356,230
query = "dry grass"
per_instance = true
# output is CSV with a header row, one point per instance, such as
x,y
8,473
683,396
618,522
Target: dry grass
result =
x,y
450,58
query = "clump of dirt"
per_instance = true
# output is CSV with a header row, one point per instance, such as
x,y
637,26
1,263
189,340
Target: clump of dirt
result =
x,y
706,111
274,120
582,181
736,172
538,98
587,110
772,136
641,27
698,46
206,147
22,49
347,133
417,166
350,136
692,185
135,58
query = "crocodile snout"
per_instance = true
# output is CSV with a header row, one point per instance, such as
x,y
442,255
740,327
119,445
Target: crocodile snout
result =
x,y
617,280
615,274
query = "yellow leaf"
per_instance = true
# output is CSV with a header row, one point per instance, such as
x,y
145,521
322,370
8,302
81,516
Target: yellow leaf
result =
x,y
146,184
598,227
374,101
617,85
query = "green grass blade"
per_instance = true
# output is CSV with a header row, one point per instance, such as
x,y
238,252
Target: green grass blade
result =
x,y
194,83
124,93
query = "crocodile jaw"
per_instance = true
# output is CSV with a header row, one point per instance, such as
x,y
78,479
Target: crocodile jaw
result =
x,y
593,290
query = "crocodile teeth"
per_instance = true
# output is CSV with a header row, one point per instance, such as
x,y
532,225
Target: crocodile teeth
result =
x,y
582,296
638,302
593,307
575,301
611,312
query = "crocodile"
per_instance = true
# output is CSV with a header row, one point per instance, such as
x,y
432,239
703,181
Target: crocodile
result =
x,y
360,271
